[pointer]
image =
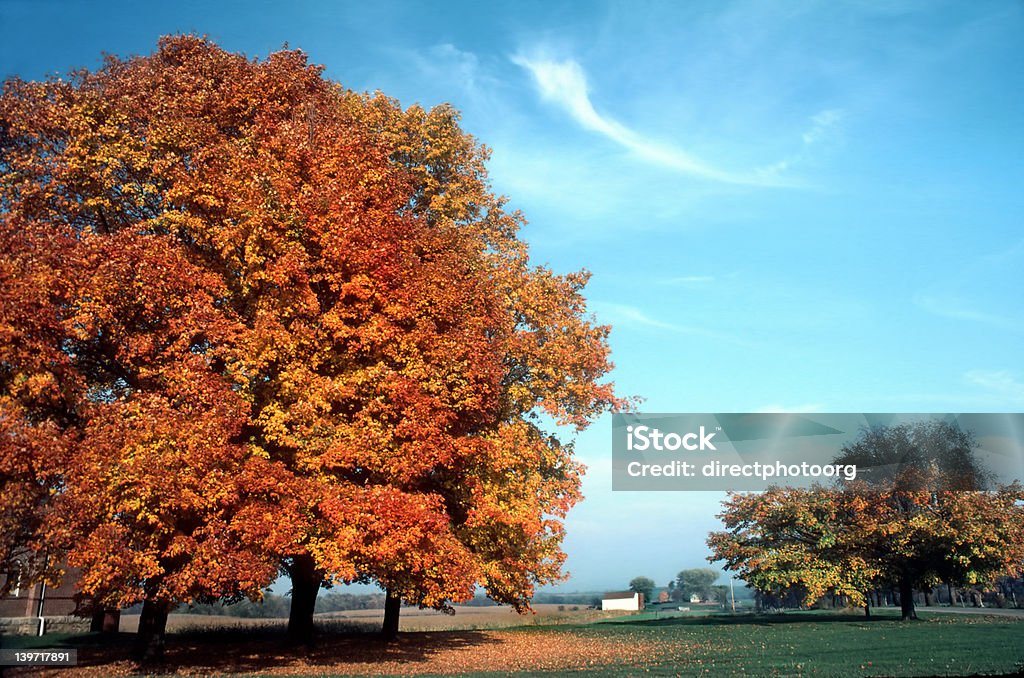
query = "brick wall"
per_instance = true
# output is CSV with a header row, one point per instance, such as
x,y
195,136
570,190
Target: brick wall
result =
x,y
58,601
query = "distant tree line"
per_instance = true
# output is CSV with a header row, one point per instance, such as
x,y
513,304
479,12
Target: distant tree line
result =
x,y
698,581
591,598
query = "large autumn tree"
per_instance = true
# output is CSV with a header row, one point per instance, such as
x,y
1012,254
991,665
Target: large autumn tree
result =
x,y
922,517
264,321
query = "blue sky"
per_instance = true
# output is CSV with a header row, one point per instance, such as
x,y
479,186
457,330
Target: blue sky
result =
x,y
786,206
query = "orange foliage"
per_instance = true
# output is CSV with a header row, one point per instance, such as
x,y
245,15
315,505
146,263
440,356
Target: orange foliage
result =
x,y
248,315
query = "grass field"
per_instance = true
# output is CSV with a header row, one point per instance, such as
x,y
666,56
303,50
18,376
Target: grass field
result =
x,y
790,644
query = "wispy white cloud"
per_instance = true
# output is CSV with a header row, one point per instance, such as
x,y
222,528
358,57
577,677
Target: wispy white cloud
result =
x,y
457,64
823,125
624,314
958,310
1000,383
565,84
447,73
825,128
636,316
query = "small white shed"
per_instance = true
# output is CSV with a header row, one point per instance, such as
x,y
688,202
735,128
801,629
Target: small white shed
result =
x,y
622,600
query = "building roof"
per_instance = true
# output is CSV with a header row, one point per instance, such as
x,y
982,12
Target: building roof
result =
x,y
618,595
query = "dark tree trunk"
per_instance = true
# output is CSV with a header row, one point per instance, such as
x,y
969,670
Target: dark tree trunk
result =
x,y
907,599
867,607
306,582
96,623
927,597
105,620
392,610
111,621
149,641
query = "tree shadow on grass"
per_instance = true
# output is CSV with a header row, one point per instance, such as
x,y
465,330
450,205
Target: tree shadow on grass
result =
x,y
248,650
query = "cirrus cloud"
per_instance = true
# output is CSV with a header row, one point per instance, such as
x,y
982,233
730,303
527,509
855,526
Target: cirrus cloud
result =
x,y
564,84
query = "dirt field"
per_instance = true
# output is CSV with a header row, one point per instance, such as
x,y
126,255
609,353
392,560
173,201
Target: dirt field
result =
x,y
412,619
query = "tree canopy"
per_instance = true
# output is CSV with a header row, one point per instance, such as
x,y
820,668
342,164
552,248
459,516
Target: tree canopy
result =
x,y
643,585
919,520
697,581
251,320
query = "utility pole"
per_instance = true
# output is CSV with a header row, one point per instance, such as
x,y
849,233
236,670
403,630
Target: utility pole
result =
x,y
42,598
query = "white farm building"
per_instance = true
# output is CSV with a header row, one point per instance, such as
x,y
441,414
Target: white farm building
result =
x,y
622,600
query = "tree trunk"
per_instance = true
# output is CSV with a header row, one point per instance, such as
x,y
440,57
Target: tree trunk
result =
x,y
96,622
111,621
105,620
306,582
867,607
392,609
927,597
149,640
907,599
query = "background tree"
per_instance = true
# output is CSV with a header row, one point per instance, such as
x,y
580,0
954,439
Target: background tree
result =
x,y
918,520
304,301
916,471
785,539
643,585
697,581
930,453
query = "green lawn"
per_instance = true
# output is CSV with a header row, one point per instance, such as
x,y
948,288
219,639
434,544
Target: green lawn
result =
x,y
825,644
19,642
817,644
